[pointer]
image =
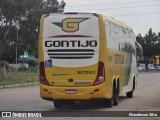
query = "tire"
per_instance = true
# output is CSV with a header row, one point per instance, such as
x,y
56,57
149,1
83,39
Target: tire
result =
x,y
61,103
108,103
116,95
70,103
129,94
58,104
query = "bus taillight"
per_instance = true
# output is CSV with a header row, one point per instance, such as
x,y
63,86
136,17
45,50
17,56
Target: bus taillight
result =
x,y
42,78
100,74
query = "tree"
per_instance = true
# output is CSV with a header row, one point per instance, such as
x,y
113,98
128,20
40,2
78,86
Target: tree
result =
x,y
7,20
150,43
24,16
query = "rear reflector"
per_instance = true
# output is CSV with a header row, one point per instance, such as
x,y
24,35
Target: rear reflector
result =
x,y
46,90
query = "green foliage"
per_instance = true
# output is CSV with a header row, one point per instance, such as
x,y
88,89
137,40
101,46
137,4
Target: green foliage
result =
x,y
1,72
24,16
22,69
5,83
19,77
30,69
150,43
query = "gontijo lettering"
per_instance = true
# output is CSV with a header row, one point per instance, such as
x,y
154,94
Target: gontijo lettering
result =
x,y
70,43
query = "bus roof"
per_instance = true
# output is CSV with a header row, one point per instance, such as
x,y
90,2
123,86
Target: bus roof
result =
x,y
108,18
118,22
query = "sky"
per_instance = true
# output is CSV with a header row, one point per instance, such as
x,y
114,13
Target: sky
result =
x,y
139,14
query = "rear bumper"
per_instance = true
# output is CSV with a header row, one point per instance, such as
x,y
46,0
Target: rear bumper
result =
x,y
83,93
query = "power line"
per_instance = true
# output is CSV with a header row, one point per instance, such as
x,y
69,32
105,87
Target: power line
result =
x,y
114,3
137,14
127,7
142,31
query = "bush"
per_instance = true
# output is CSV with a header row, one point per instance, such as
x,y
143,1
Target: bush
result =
x,y
30,69
22,69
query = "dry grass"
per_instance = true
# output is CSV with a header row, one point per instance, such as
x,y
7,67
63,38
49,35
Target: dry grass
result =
x,y
16,77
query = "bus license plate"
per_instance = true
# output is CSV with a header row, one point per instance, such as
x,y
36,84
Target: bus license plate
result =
x,y
71,91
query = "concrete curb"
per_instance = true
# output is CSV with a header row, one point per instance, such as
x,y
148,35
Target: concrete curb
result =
x,y
17,85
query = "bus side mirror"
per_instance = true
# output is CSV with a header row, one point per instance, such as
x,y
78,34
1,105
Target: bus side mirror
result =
x,y
139,49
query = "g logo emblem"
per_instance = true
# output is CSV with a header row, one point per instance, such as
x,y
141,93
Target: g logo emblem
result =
x,y
70,24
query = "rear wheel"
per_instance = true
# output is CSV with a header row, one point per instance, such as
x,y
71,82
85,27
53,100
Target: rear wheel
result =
x,y
61,103
108,103
130,93
58,103
70,103
114,99
116,95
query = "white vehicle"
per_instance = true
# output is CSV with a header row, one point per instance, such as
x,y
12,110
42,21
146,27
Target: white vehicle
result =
x,y
157,68
141,67
150,67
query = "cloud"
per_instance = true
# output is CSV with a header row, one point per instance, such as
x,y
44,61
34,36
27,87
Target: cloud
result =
x,y
136,17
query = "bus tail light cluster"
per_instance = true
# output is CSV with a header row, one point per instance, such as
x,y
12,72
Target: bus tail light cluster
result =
x,y
43,79
100,74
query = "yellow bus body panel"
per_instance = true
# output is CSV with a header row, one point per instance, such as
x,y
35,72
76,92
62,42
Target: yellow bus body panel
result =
x,y
83,93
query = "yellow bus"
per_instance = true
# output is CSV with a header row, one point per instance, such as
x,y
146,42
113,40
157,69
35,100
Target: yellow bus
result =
x,y
86,56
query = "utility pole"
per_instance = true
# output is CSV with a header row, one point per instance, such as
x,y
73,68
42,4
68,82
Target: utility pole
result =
x,y
17,47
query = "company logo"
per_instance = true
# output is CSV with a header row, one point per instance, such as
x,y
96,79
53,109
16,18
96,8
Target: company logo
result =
x,y
6,114
48,63
70,24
